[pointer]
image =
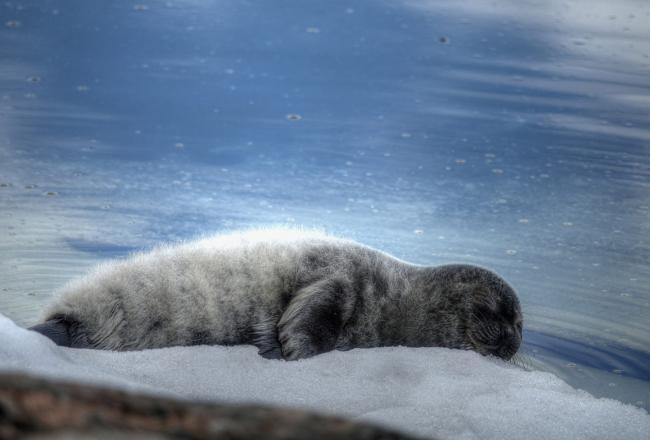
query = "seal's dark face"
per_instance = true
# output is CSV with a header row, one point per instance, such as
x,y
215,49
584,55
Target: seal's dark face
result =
x,y
470,308
495,323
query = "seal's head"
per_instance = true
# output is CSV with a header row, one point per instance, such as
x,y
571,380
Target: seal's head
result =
x,y
474,309
493,318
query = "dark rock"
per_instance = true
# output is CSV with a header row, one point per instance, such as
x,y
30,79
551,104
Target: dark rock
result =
x,y
37,408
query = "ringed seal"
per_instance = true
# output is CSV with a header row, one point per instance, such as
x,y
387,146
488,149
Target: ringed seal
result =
x,y
291,293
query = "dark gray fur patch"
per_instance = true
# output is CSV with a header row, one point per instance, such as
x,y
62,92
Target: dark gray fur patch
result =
x,y
200,337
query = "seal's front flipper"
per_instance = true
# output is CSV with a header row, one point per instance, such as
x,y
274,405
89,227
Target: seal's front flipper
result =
x,y
62,331
313,321
265,337
272,353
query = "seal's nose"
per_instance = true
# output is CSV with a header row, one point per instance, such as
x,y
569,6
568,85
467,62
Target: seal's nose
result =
x,y
509,343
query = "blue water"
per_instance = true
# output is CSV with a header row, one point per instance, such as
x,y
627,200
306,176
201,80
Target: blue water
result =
x,y
515,137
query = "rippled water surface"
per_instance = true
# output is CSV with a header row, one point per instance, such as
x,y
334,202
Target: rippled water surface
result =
x,y
511,134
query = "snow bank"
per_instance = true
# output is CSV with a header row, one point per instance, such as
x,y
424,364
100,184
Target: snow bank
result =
x,y
430,392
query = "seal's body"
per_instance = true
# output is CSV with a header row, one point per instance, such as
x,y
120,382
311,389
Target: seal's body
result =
x,y
292,293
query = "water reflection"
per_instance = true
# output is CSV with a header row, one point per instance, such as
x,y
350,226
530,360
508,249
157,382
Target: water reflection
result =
x,y
516,138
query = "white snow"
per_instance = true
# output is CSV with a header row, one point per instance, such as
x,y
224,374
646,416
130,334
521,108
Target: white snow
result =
x,y
432,392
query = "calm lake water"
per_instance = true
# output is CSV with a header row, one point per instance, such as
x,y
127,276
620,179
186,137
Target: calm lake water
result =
x,y
510,134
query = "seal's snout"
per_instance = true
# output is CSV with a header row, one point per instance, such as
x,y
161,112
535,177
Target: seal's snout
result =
x,y
508,343
58,330
502,341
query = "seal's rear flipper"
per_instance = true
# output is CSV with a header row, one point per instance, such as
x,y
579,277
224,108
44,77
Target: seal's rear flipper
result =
x,y
59,330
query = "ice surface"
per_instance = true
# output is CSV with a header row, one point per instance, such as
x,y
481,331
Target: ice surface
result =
x,y
448,394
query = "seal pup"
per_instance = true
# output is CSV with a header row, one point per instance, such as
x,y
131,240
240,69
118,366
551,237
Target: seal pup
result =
x,y
292,293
